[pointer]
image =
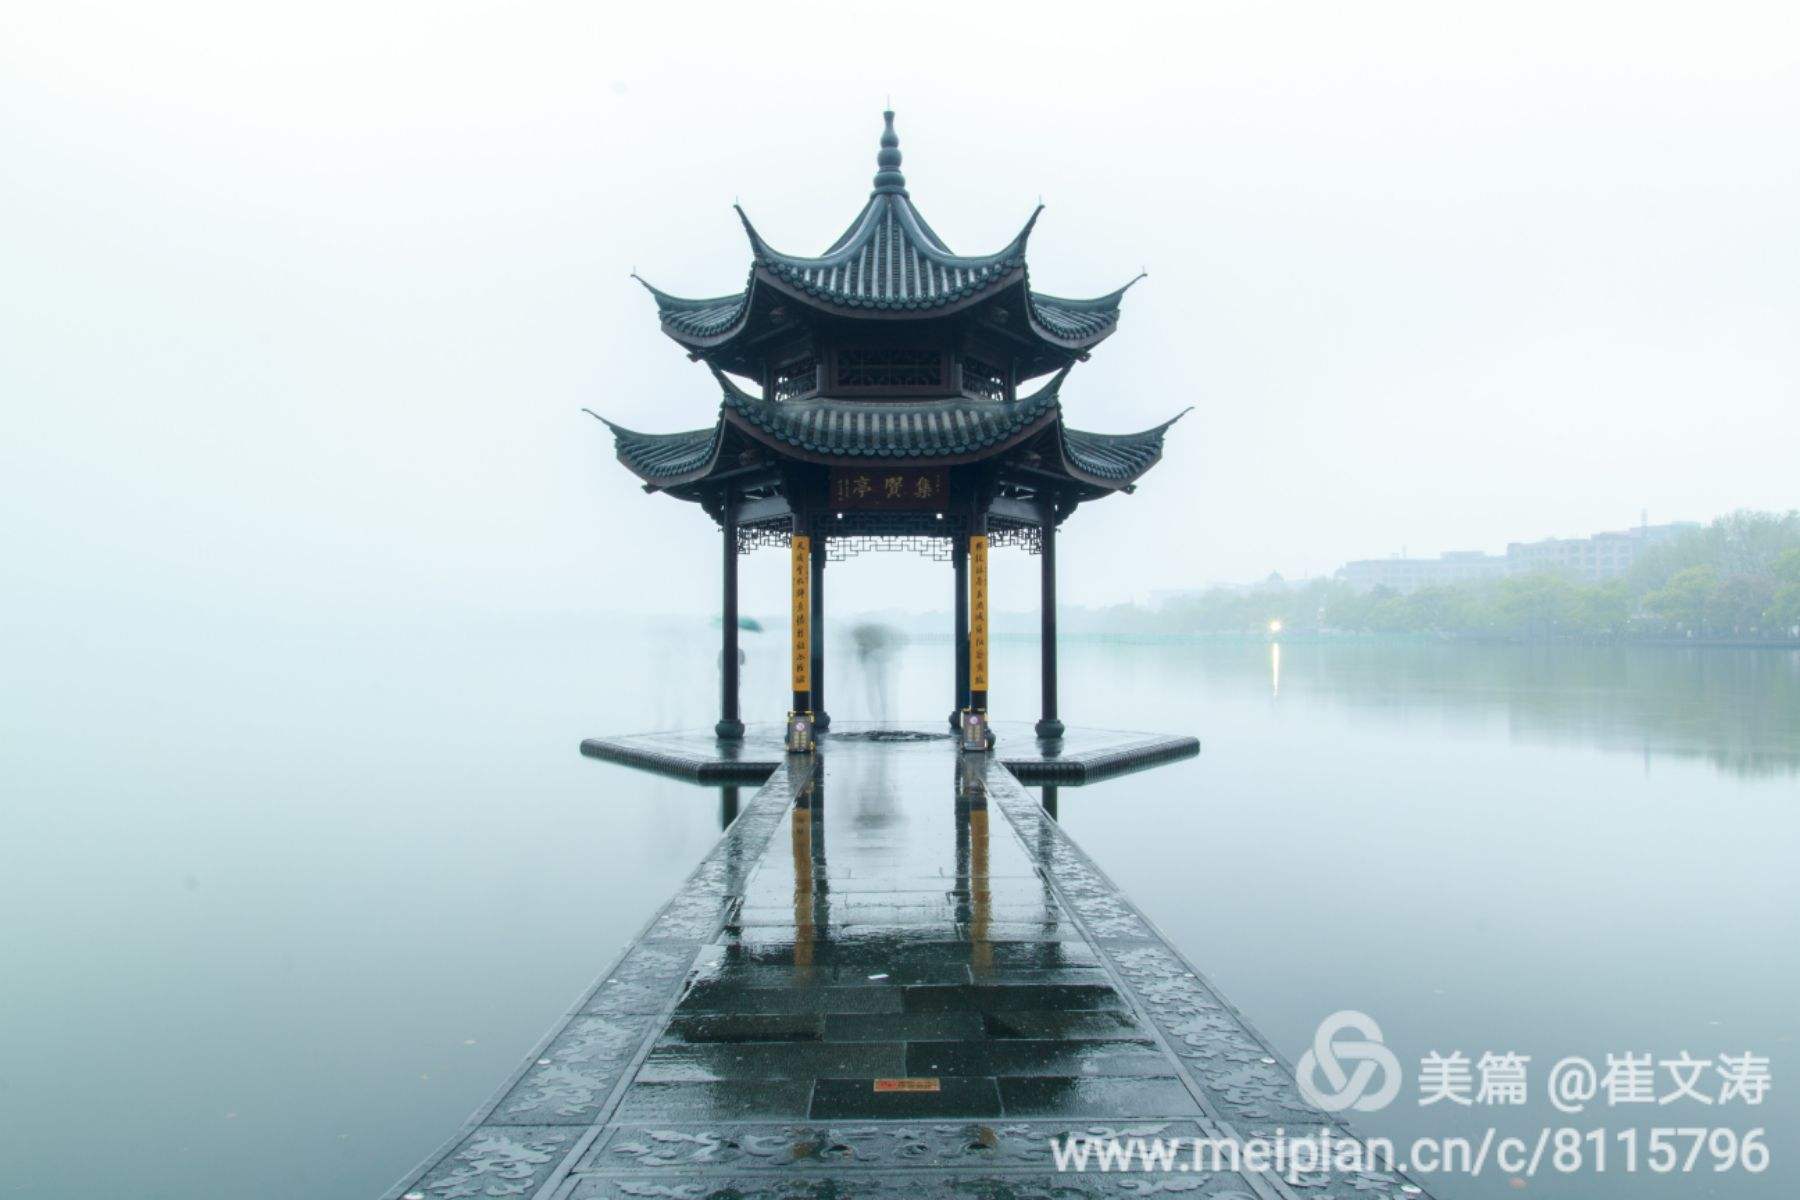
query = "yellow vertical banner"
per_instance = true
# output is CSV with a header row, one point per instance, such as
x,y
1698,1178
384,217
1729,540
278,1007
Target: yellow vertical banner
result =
x,y
978,613
801,554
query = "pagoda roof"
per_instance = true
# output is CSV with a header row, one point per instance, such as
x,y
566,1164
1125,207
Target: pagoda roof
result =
x,y
930,432
1118,458
888,263
664,458
957,429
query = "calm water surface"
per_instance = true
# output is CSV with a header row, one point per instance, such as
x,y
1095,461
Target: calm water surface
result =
x,y
279,911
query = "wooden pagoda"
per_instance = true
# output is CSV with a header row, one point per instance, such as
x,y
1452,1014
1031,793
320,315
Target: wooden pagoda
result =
x,y
884,404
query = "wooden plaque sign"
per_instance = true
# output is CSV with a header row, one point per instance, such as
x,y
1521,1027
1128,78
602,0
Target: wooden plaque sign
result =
x,y
890,487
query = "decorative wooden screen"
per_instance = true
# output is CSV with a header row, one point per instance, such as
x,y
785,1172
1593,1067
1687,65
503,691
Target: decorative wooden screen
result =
x,y
888,369
796,379
983,379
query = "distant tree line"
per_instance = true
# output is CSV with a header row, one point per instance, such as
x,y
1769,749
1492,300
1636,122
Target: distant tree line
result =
x,y
1736,579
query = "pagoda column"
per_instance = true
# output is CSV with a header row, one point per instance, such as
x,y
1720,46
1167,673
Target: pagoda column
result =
x,y
730,726
959,694
1048,726
821,720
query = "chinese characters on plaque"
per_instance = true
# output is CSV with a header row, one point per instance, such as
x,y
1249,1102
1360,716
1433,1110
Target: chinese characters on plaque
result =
x,y
891,487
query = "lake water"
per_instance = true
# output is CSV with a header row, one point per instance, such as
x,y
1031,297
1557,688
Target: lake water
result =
x,y
279,910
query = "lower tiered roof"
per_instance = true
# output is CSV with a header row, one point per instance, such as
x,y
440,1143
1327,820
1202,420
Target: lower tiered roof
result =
x,y
1028,431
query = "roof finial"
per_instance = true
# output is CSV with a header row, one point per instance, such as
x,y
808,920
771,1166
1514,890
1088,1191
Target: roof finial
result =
x,y
889,178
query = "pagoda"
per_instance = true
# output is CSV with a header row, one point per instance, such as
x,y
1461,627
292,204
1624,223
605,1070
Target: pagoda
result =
x,y
888,394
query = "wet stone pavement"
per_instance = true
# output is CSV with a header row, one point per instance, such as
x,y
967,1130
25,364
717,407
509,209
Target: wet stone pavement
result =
x,y
893,975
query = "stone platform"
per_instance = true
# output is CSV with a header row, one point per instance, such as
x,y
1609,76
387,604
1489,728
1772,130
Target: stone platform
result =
x,y
1079,756
894,975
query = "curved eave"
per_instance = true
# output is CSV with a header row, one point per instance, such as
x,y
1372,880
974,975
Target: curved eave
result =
x,y
891,220
889,262
858,432
666,460
1075,324
1114,461
700,324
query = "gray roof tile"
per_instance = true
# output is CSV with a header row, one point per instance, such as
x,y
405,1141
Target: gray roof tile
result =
x,y
911,429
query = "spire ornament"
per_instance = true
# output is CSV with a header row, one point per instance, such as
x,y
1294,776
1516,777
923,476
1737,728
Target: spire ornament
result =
x,y
889,180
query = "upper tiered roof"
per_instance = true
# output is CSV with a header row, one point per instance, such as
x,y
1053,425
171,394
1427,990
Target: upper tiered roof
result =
x,y
889,264
890,350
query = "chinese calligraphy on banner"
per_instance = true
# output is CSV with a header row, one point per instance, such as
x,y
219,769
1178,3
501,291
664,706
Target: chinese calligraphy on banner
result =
x,y
978,613
801,553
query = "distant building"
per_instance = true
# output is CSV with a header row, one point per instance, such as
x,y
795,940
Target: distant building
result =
x,y
1590,559
1603,556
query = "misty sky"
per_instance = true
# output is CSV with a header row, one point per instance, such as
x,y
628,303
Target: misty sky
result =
x,y
300,306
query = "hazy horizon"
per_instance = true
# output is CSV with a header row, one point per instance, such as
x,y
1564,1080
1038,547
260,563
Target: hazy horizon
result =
x,y
301,310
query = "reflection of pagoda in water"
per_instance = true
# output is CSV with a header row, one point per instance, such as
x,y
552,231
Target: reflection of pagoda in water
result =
x,y
884,410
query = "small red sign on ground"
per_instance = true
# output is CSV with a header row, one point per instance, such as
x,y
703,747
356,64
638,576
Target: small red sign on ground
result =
x,y
906,1085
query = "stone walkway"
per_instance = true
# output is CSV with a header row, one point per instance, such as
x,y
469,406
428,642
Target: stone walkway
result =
x,y
894,975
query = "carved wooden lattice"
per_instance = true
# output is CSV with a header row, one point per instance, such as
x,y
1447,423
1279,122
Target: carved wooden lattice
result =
x,y
857,533
889,368
983,380
768,534
796,379
1028,538
937,549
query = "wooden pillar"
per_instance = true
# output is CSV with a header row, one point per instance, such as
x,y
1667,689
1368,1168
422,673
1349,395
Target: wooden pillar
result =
x,y
959,696
1048,726
800,610
820,719
730,726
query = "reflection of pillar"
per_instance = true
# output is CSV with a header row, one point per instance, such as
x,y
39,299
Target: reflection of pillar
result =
x,y
1050,800
730,726
1048,726
805,895
981,897
959,563
820,720
728,805
978,622
972,864
800,612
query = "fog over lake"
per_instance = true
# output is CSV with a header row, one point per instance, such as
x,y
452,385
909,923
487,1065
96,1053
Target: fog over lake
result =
x,y
294,906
